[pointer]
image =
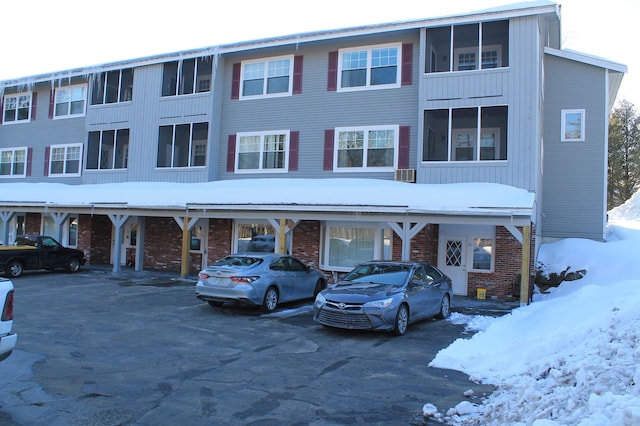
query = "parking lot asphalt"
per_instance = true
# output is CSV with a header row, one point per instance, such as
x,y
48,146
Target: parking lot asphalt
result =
x,y
137,348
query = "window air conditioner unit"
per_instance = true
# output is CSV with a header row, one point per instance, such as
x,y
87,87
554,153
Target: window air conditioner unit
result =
x,y
405,175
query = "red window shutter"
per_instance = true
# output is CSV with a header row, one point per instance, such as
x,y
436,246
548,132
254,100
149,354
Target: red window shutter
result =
x,y
231,153
294,143
52,100
34,104
235,81
47,152
407,64
29,157
328,149
403,147
332,78
297,74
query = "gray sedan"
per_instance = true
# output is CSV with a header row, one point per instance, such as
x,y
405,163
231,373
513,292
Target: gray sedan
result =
x,y
385,295
263,279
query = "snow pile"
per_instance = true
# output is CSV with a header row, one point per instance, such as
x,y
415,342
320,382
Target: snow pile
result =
x,y
573,355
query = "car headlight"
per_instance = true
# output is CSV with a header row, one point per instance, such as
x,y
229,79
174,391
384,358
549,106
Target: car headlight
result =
x,y
380,304
320,300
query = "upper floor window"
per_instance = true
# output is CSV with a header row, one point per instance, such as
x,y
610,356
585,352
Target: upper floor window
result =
x,y
13,162
262,151
366,148
70,101
186,76
467,47
369,67
108,149
112,86
17,108
183,145
572,125
465,134
267,77
64,160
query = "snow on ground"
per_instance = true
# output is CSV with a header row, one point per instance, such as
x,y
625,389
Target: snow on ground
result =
x,y
572,357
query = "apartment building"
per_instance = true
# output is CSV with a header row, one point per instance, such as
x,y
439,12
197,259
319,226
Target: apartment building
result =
x,y
486,98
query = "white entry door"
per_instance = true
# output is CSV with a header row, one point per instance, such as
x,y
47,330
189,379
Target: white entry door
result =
x,y
452,255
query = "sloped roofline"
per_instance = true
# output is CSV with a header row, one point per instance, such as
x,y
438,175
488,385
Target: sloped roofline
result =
x,y
584,58
538,7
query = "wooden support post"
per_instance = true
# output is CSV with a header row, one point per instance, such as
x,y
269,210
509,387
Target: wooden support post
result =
x,y
524,268
184,265
282,246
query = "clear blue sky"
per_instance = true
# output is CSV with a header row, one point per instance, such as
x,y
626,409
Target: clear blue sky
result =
x,y
41,36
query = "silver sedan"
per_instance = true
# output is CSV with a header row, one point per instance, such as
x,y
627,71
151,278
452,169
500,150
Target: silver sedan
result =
x,y
385,295
262,279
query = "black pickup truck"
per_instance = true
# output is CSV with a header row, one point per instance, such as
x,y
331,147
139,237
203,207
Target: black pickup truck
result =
x,y
38,252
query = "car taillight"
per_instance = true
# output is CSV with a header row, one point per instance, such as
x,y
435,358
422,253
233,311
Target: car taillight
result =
x,y
7,311
244,279
203,276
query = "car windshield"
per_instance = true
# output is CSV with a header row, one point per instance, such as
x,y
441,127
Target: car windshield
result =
x,y
381,274
243,261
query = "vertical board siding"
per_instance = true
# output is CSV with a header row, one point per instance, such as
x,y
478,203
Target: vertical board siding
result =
x,y
515,86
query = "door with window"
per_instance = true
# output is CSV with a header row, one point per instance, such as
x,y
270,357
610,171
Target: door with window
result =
x,y
452,255
128,242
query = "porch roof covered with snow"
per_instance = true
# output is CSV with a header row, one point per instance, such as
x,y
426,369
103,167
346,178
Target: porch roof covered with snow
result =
x,y
295,199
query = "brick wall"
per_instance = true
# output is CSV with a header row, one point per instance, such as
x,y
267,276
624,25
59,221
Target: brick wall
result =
x,y
163,244
306,242
424,246
219,239
94,238
32,223
508,259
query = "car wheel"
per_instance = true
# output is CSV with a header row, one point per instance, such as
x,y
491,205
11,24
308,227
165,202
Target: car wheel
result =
x,y
214,303
445,307
73,265
15,268
402,320
319,287
270,299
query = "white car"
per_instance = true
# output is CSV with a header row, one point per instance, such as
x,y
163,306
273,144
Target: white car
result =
x,y
7,337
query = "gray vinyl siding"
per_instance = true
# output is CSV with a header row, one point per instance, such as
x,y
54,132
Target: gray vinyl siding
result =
x,y
316,109
574,199
41,133
143,116
517,87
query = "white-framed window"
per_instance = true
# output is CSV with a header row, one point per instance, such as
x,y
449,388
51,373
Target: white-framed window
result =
x,y
255,236
183,145
266,151
465,134
112,86
70,101
13,162
572,126
345,246
369,67
64,160
483,259
187,76
267,77
465,59
17,108
373,148
108,149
